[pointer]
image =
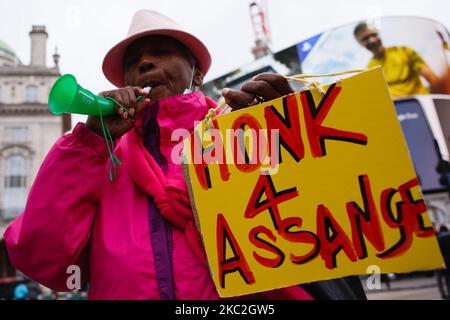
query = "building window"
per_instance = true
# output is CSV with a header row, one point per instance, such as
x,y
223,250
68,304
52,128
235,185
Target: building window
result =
x,y
31,93
17,134
15,185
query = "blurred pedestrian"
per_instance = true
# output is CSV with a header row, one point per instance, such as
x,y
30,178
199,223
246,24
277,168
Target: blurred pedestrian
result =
x,y
21,292
443,237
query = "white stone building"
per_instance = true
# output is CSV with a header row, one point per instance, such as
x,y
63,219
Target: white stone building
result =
x,y
27,129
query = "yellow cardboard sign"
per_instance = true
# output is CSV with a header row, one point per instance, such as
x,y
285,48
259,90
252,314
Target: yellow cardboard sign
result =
x,y
324,189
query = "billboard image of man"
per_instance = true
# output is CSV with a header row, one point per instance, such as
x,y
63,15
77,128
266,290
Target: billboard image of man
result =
x,y
402,65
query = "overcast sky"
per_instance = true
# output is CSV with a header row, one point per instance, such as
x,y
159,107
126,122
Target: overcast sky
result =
x,y
84,30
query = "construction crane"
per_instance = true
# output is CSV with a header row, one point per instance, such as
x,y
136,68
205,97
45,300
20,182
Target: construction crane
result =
x,y
258,9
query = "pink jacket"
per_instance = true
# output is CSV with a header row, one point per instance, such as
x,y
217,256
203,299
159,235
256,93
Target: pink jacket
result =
x,y
75,216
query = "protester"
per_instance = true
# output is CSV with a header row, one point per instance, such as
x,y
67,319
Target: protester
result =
x,y
135,237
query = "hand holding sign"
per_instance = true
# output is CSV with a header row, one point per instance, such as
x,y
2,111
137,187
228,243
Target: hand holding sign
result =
x,y
345,195
263,87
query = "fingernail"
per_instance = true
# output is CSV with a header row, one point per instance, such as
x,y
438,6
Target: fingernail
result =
x,y
225,91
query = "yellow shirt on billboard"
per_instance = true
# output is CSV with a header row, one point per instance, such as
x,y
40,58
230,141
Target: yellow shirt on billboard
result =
x,y
401,66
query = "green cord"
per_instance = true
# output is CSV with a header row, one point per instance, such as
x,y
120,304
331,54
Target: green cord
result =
x,y
109,145
115,101
110,141
120,105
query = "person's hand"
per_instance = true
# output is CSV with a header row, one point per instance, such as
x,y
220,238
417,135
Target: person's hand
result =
x,y
263,87
121,122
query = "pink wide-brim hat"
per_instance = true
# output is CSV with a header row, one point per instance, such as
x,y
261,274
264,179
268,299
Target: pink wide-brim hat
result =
x,y
148,22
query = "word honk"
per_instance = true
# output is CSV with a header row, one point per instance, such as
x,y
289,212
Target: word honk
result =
x,y
284,130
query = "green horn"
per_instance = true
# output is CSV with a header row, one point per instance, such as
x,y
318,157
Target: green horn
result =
x,y
67,96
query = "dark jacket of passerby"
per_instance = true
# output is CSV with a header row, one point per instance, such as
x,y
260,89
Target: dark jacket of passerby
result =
x,y
444,243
